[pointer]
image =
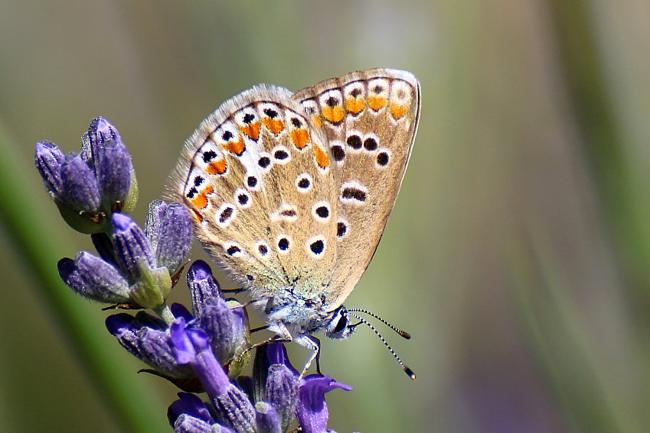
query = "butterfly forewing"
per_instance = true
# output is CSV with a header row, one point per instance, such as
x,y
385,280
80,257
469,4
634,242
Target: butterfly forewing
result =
x,y
291,193
257,177
370,120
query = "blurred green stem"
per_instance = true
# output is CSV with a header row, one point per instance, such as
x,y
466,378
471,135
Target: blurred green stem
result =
x,y
623,198
132,403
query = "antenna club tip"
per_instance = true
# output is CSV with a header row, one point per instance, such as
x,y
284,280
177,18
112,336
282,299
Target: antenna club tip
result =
x,y
409,373
405,334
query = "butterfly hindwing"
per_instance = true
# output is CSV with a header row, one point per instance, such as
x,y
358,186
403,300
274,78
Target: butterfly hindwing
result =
x,y
370,120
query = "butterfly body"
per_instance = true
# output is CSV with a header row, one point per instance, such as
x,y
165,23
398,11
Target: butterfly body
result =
x,y
290,193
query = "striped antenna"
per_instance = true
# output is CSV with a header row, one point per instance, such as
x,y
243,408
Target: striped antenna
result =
x,y
399,332
407,370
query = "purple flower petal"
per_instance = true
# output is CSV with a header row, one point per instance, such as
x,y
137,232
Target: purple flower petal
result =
x,y
48,159
276,353
79,188
101,133
132,248
188,404
145,337
183,347
169,229
203,286
191,347
94,279
106,154
311,410
114,175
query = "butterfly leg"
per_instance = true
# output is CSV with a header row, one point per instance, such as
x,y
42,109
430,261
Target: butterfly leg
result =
x,y
317,341
233,291
313,344
274,339
282,336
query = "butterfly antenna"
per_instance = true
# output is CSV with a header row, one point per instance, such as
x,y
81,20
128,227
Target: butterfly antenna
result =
x,y
399,332
407,370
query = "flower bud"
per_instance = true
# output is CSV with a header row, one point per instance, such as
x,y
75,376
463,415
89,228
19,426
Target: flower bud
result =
x,y
105,152
281,391
226,328
169,230
79,185
150,284
94,279
146,338
48,159
266,356
187,424
203,286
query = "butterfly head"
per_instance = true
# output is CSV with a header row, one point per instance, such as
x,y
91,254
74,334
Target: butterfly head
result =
x,y
339,327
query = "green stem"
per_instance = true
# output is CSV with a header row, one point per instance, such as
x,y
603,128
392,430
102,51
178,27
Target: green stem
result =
x,y
134,405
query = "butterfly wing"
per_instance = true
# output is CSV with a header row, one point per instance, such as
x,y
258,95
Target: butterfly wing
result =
x,y
257,177
370,119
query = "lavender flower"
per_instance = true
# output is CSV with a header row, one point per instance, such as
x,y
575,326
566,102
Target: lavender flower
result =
x,y
231,404
276,381
202,351
148,338
282,399
88,186
131,270
312,410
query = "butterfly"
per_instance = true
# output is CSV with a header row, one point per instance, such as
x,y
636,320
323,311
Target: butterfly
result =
x,y
291,192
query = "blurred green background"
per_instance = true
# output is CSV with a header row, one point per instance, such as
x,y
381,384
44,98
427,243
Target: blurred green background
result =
x,y
518,254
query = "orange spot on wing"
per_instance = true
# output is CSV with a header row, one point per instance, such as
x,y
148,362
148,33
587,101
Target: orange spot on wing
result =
x,y
201,200
300,137
251,130
333,114
274,125
217,167
315,119
322,159
377,102
236,147
355,105
398,110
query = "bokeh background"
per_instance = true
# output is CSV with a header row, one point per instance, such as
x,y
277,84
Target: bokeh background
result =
x,y
518,254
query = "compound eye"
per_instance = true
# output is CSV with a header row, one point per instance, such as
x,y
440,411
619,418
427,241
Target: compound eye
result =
x,y
341,324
